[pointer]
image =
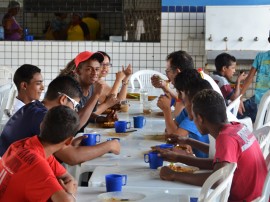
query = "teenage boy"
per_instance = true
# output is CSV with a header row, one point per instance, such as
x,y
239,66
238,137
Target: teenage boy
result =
x,y
86,69
234,144
225,69
25,123
29,84
30,172
182,125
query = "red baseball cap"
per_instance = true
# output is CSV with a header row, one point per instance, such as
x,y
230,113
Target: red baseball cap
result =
x,y
83,56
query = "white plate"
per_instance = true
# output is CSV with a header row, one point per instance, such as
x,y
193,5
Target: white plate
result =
x,y
192,168
120,196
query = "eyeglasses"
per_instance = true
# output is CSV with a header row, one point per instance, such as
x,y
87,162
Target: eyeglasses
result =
x,y
74,102
171,69
106,64
168,70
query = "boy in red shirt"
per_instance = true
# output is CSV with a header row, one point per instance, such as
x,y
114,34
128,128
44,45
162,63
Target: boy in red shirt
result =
x,y
234,144
28,169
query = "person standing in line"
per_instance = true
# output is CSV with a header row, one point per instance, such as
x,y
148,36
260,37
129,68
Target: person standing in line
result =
x,y
261,66
78,30
13,30
93,25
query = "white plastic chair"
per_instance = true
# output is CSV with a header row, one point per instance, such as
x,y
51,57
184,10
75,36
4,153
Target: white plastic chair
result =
x,y
144,78
266,187
222,191
234,105
263,114
4,96
263,137
231,117
211,81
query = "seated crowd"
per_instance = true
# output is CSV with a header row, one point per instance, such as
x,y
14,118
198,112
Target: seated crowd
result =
x,y
39,135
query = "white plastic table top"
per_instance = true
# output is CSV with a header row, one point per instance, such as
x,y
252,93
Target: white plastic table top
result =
x,y
141,176
86,194
133,145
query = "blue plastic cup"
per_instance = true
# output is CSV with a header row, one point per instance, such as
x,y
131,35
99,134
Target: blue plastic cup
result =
x,y
28,38
91,139
139,121
114,182
121,126
153,159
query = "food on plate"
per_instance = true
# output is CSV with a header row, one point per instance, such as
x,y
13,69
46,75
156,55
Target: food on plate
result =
x,y
133,95
160,114
183,169
108,124
124,108
116,199
116,107
107,111
151,97
147,111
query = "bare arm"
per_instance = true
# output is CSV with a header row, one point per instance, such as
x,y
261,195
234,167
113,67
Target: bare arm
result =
x,y
163,103
195,179
123,91
60,196
236,93
176,139
110,101
157,82
118,80
87,110
183,157
248,80
198,145
70,189
74,155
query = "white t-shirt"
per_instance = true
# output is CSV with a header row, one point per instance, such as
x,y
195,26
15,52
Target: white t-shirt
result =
x,y
17,104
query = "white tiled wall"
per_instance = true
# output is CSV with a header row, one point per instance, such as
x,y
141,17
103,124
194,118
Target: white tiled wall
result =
x,y
178,32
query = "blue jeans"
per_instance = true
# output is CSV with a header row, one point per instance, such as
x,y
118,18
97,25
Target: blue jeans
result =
x,y
251,109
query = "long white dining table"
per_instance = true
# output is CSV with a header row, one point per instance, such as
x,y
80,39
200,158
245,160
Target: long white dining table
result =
x,y
91,194
130,161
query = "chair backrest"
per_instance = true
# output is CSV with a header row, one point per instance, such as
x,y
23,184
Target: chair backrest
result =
x,y
214,85
234,105
4,96
263,137
263,114
266,190
224,175
144,78
211,81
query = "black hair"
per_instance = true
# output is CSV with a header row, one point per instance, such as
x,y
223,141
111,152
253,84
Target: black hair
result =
x,y
59,124
63,84
105,54
210,105
24,74
180,60
224,59
190,82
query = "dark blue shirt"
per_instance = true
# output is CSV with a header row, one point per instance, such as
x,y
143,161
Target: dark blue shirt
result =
x,y
24,123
